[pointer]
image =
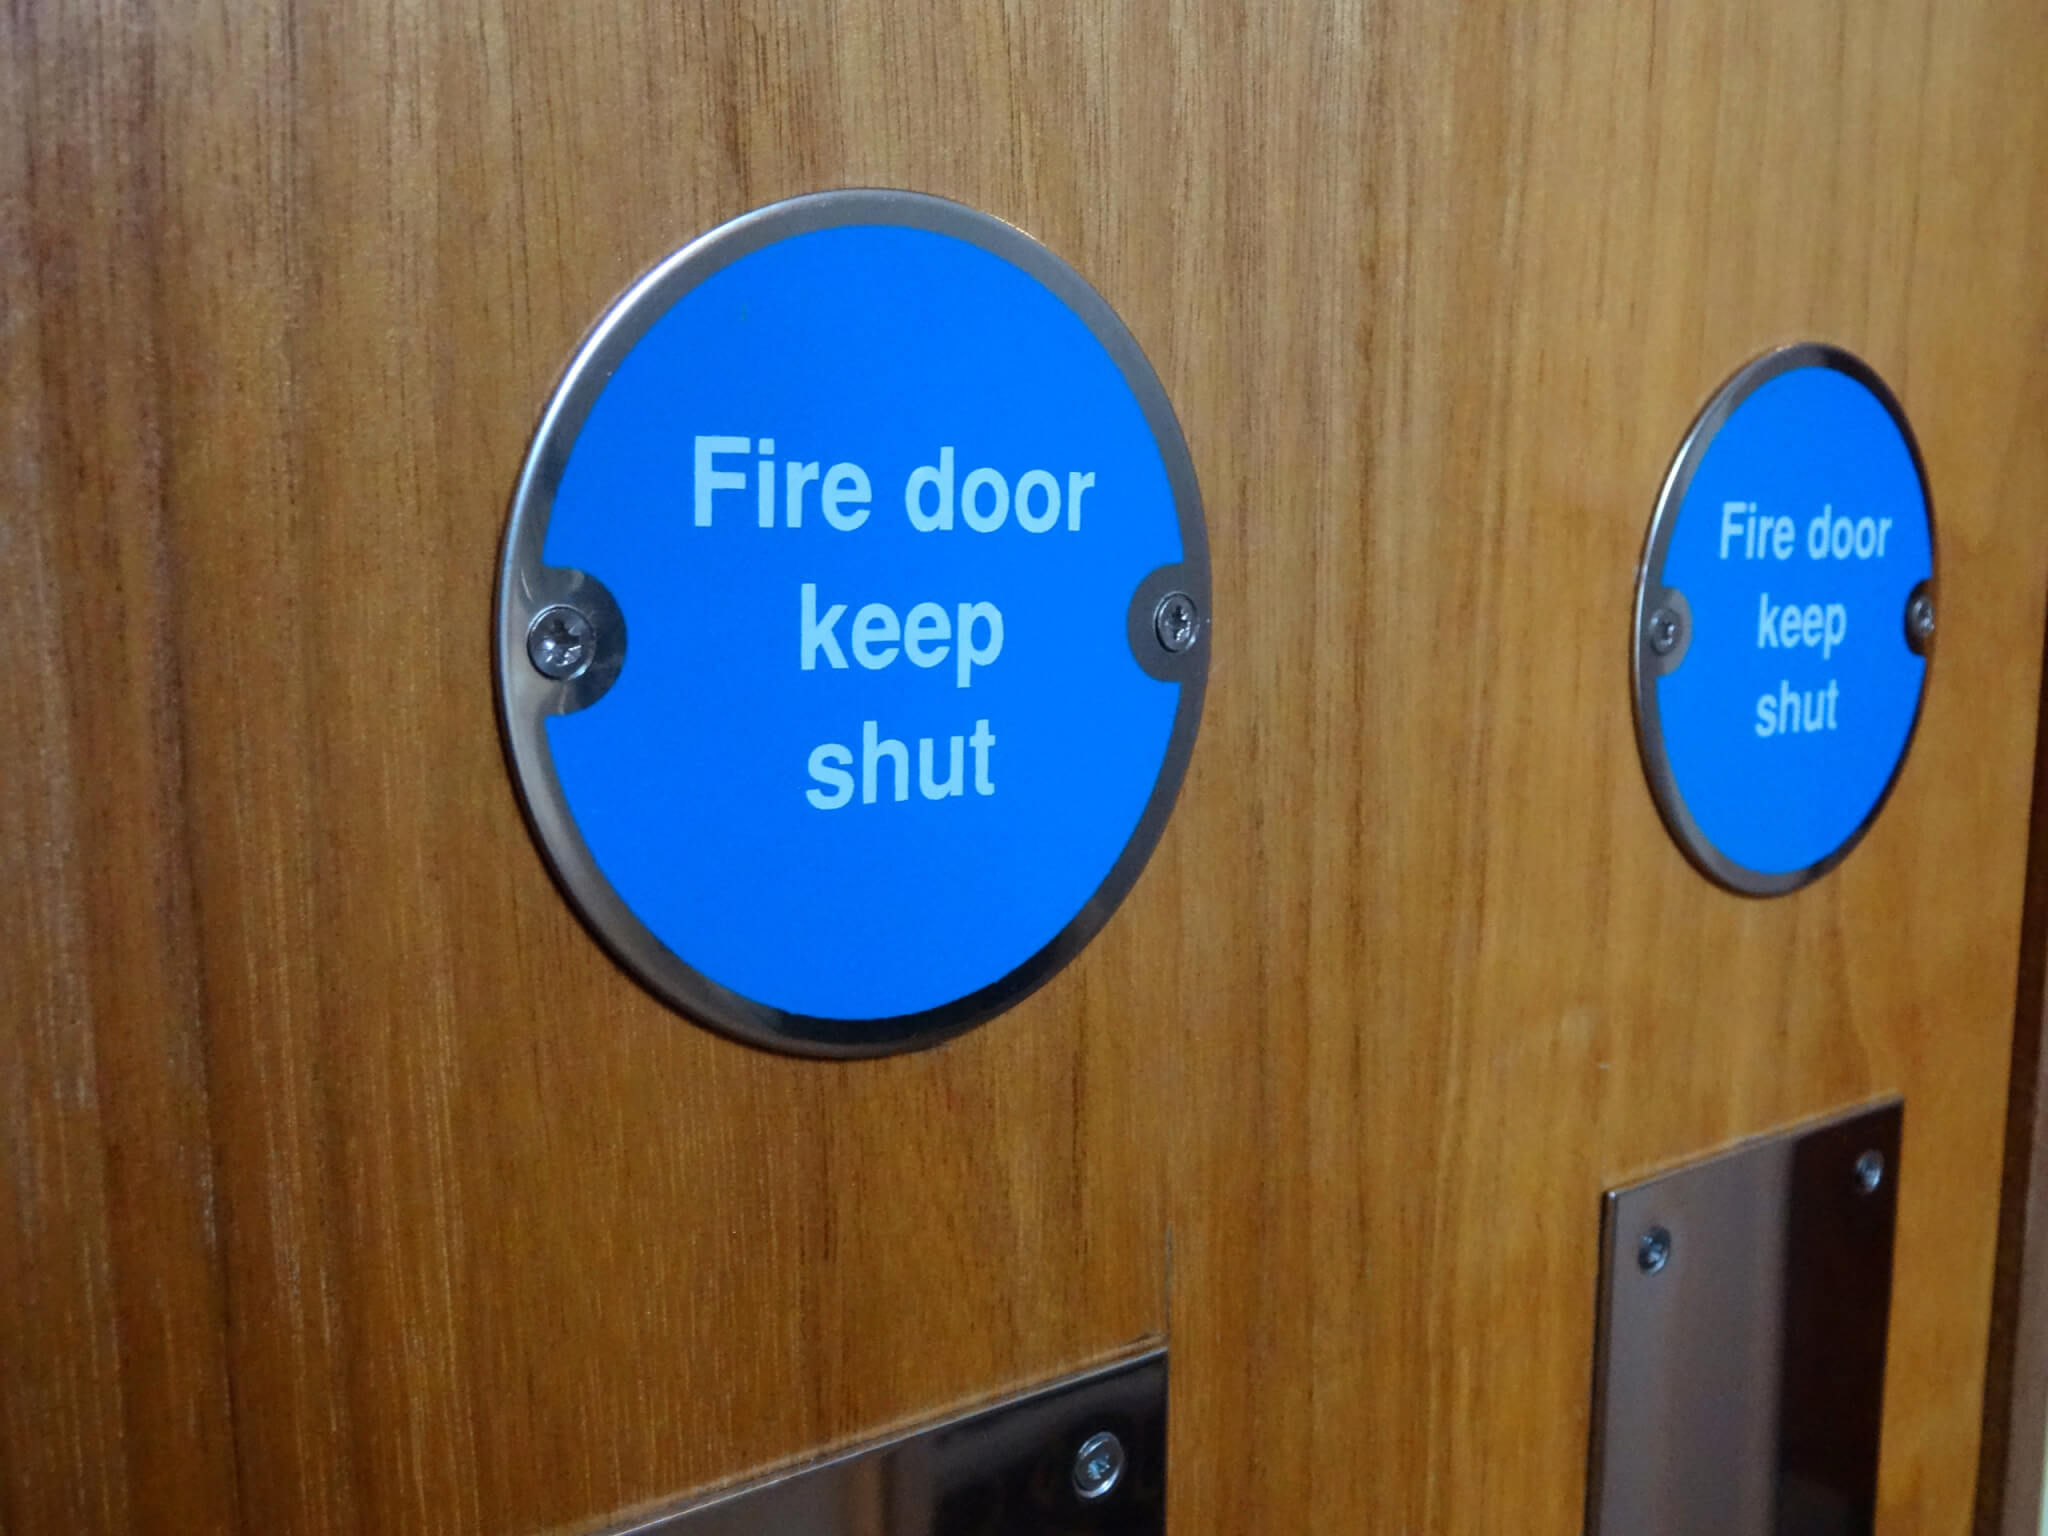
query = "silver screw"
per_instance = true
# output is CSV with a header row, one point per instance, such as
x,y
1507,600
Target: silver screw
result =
x,y
1920,618
1098,1465
559,642
1653,1250
1177,622
1663,631
1870,1171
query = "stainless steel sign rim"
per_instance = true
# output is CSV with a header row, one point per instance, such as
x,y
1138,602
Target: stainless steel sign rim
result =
x,y
527,588
1647,664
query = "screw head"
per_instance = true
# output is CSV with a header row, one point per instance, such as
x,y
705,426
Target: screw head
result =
x,y
1662,629
560,642
1653,1250
1177,622
1870,1171
1098,1465
1920,618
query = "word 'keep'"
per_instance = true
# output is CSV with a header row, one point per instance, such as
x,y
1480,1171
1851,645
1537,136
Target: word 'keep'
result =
x,y
924,635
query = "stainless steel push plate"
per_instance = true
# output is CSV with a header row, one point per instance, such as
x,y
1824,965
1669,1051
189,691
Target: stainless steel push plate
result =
x,y
1085,1456
1739,1374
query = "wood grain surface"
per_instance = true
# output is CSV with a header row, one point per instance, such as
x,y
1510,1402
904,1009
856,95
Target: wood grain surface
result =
x,y
2010,1470
348,1186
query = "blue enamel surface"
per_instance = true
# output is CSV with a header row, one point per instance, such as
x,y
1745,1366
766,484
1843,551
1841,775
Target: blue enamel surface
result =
x,y
877,346
1811,442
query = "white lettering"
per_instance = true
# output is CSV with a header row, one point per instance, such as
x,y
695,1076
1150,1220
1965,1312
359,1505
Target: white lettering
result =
x,y
709,478
927,784
845,484
873,748
822,769
1076,484
1789,626
1792,711
926,635
795,477
981,741
991,520
1047,520
873,626
923,625
815,636
1735,524
831,764
1837,629
972,655
940,477
1845,538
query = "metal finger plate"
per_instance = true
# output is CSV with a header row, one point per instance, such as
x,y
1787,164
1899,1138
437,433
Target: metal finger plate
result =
x,y
1744,1300
1083,1455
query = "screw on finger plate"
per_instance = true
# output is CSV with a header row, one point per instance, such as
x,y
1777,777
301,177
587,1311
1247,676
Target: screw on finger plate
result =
x,y
1098,1465
1653,1250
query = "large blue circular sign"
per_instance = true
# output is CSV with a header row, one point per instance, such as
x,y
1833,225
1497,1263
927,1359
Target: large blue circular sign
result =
x,y
1784,615
852,625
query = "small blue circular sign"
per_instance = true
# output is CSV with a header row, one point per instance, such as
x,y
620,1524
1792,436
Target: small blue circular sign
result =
x,y
852,624
1784,615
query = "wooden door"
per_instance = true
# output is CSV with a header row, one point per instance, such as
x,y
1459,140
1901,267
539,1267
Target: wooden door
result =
x,y
349,1186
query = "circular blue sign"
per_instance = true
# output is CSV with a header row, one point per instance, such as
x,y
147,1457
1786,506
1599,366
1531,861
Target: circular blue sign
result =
x,y
1784,615
852,625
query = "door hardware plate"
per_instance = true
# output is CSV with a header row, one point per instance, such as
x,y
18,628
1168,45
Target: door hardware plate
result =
x,y
1739,1368
1084,1456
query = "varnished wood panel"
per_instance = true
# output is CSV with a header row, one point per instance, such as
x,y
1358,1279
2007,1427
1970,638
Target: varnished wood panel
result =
x,y
114,1397
1479,982
351,1188
2010,1476
1579,224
